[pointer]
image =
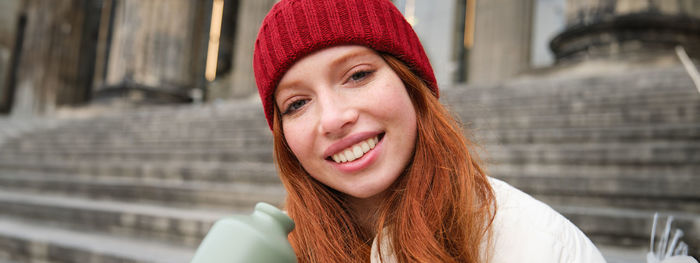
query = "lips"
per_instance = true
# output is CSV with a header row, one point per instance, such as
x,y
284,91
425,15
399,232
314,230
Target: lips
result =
x,y
352,147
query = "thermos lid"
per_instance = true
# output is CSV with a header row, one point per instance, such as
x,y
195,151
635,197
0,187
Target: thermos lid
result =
x,y
279,216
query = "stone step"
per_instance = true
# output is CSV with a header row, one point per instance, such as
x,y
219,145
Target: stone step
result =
x,y
143,133
211,155
185,127
676,79
173,118
686,170
185,114
567,91
211,195
614,117
24,241
579,105
593,120
618,201
229,123
518,96
147,222
11,128
114,143
637,133
243,172
605,153
252,114
631,227
180,111
117,135
647,190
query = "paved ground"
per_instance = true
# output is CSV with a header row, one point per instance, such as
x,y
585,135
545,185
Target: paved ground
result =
x,y
620,255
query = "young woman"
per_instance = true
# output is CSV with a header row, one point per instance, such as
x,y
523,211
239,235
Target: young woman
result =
x,y
375,167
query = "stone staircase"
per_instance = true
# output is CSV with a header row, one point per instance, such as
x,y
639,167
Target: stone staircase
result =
x,y
145,185
142,185
606,151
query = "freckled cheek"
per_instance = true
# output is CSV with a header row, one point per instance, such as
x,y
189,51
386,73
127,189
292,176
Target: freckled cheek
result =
x,y
392,101
300,140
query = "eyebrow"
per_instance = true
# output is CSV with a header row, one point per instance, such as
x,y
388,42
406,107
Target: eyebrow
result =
x,y
349,56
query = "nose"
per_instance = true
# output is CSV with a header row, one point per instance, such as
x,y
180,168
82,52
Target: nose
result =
x,y
337,115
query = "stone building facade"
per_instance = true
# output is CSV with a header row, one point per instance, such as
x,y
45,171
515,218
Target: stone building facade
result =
x,y
155,51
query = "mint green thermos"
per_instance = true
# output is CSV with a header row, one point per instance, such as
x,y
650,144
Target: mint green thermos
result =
x,y
259,237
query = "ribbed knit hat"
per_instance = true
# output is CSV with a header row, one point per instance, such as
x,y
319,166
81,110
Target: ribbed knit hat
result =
x,y
296,28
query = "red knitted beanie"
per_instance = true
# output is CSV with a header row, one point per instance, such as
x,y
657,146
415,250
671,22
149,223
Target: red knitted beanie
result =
x,y
296,28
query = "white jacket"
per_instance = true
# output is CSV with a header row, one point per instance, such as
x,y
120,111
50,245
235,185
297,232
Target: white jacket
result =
x,y
525,230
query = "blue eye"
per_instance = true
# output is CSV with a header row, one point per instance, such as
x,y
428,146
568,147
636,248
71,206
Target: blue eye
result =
x,y
294,106
360,75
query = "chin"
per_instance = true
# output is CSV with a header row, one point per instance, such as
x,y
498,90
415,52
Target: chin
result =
x,y
363,195
368,193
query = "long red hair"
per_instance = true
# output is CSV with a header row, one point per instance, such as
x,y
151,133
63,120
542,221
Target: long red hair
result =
x,y
438,210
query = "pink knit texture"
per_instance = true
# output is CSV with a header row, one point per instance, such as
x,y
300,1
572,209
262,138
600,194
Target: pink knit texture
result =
x,y
296,28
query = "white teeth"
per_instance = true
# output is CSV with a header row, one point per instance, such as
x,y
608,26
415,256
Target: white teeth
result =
x,y
365,147
349,155
356,151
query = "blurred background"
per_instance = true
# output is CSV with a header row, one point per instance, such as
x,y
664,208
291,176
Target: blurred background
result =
x,y
127,127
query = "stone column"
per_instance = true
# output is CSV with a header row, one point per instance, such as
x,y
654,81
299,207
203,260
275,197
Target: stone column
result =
x,y
242,81
53,64
155,50
502,40
617,28
8,25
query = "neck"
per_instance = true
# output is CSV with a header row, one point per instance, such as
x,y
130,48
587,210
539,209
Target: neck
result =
x,y
366,211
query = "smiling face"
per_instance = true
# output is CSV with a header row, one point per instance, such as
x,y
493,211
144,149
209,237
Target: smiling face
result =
x,y
348,119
